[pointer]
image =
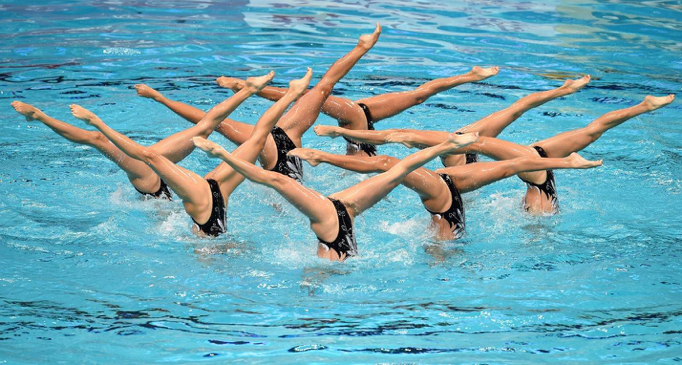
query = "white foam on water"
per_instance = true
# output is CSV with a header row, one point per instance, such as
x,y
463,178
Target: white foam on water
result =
x,y
120,51
406,228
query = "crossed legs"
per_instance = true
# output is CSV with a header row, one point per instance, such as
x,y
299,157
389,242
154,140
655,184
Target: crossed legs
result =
x,y
351,116
490,126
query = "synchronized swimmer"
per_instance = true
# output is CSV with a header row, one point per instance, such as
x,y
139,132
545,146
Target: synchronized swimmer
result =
x,y
275,141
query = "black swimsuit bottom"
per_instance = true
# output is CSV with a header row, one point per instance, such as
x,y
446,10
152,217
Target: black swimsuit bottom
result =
x,y
369,149
471,158
162,193
549,186
286,165
345,238
454,215
216,222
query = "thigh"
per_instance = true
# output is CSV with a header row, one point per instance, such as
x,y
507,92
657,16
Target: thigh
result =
x,y
135,169
190,187
564,144
387,105
346,112
365,194
476,175
236,132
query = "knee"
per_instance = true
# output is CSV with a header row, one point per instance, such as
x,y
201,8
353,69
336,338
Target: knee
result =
x,y
96,139
275,180
593,133
419,97
325,86
149,156
384,162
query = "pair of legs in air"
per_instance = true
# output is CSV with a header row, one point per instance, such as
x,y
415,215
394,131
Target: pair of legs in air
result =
x,y
204,199
363,113
538,197
440,190
175,148
296,122
331,219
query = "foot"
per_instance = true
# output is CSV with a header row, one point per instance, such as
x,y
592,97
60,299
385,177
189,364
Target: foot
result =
x,y
653,102
83,114
326,131
300,85
574,85
579,162
308,154
484,73
212,149
27,110
147,92
368,41
457,141
231,83
256,84
402,138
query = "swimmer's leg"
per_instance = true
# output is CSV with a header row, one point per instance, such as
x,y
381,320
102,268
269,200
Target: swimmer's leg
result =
x,y
139,174
345,111
427,184
495,123
190,187
306,110
388,105
249,151
179,145
476,175
365,194
565,143
412,137
235,131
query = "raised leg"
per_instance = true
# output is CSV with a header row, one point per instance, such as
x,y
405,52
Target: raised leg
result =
x,y
345,111
235,131
388,105
190,187
140,175
427,184
476,175
365,194
495,123
179,145
306,110
565,143
249,151
412,137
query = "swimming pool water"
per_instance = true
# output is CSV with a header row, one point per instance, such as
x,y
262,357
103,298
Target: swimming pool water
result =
x,y
90,273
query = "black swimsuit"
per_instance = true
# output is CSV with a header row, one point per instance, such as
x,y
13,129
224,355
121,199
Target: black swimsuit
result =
x,y
286,165
471,158
548,187
163,192
216,222
369,149
454,215
345,239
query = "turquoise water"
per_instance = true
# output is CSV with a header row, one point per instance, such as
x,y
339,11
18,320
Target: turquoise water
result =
x,y
90,273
